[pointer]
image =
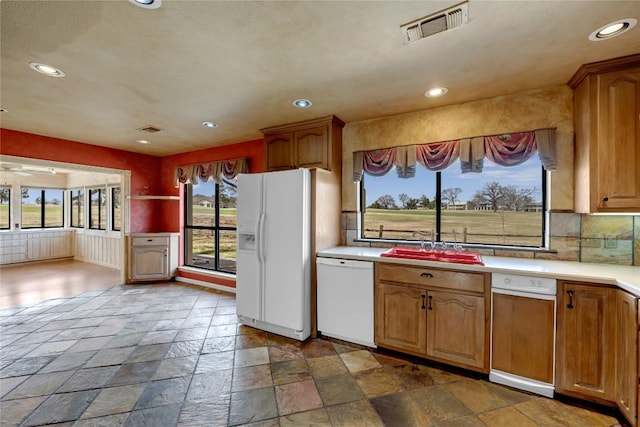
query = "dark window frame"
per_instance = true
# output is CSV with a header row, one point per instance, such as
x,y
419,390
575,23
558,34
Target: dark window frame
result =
x,y
81,218
438,208
101,196
8,190
112,214
216,228
43,200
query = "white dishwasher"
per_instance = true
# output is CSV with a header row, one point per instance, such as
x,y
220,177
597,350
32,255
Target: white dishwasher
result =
x,y
345,300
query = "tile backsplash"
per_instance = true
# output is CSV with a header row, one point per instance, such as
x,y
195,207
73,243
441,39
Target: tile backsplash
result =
x,y
572,237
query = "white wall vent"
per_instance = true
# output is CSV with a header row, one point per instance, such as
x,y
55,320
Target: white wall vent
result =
x,y
438,22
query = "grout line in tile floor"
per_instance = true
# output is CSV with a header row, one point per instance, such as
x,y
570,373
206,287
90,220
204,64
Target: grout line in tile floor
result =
x,y
172,355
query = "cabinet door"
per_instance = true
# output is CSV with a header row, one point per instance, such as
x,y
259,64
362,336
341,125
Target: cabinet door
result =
x,y
401,318
627,376
149,263
311,148
585,363
619,141
523,336
278,151
456,328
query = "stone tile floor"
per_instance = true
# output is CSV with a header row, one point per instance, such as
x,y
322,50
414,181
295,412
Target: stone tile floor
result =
x,y
171,355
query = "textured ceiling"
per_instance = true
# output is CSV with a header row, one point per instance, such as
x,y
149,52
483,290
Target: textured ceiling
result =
x,y
241,64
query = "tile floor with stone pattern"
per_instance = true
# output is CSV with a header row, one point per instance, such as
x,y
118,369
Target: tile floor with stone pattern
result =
x,y
167,355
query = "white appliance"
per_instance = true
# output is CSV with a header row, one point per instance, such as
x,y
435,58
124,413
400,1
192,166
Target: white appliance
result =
x,y
273,259
345,300
523,325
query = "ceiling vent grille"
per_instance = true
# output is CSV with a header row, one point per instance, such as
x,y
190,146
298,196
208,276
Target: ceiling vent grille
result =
x,y
438,22
149,129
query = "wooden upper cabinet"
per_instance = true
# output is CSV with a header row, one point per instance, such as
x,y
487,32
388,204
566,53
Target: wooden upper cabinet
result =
x,y
585,359
607,131
309,144
626,347
278,151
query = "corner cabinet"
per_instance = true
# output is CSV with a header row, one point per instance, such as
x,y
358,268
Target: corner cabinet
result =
x,y
433,313
607,132
627,356
309,144
152,257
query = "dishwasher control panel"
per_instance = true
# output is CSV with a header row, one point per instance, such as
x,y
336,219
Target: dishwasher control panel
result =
x,y
539,285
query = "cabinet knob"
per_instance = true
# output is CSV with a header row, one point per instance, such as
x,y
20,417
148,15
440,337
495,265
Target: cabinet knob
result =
x,y
430,299
426,275
423,306
605,199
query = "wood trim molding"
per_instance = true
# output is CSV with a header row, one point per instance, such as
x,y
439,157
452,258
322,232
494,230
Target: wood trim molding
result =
x,y
605,66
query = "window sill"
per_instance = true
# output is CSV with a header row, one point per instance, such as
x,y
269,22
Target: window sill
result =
x,y
388,242
208,273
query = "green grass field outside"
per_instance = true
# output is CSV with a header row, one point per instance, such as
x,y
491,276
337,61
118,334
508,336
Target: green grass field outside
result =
x,y
487,227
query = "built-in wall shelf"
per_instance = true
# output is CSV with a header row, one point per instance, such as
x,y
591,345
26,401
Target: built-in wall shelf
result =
x,y
153,197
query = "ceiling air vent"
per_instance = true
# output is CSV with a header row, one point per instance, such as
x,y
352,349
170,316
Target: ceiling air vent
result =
x,y
149,129
438,22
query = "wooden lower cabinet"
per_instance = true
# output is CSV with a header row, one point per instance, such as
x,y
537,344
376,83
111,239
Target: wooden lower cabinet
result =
x,y
456,328
401,318
585,359
449,326
627,362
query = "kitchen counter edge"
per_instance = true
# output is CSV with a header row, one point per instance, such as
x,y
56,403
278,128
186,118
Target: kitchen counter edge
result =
x,y
623,276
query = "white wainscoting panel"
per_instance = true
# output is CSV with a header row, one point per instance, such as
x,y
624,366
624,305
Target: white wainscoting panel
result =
x,y
35,245
103,249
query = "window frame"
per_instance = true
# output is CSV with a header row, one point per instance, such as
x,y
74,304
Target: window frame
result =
x,y
112,206
216,228
81,218
9,196
102,194
43,200
361,203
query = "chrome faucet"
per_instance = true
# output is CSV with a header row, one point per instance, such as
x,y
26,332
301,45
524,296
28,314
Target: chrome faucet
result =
x,y
422,235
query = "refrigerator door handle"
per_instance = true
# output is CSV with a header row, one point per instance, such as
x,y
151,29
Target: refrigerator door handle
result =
x,y
259,238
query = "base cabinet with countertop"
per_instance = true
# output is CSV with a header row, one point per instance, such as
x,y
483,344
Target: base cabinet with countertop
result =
x,y
627,355
152,256
433,313
598,335
585,359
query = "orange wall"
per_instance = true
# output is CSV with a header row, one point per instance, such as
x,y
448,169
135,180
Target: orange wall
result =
x,y
144,168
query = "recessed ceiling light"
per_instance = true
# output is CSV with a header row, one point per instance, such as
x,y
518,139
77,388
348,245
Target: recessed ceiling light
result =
x,y
46,69
147,4
209,125
435,92
3,110
302,103
142,141
613,29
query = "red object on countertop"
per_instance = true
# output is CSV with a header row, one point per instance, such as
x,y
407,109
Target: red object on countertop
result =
x,y
457,257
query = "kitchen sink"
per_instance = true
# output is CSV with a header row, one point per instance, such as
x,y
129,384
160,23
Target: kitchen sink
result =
x,y
451,256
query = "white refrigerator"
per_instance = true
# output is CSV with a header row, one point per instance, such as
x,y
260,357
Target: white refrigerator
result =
x,y
273,259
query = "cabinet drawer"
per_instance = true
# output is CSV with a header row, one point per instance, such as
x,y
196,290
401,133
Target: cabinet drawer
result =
x,y
150,241
432,277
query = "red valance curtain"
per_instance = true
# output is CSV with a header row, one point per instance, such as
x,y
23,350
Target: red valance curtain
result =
x,y
438,155
504,150
210,171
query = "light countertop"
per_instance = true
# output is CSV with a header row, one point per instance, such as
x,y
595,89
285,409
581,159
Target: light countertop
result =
x,y
625,277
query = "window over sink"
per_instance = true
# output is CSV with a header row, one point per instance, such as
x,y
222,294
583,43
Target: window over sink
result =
x,y
500,206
